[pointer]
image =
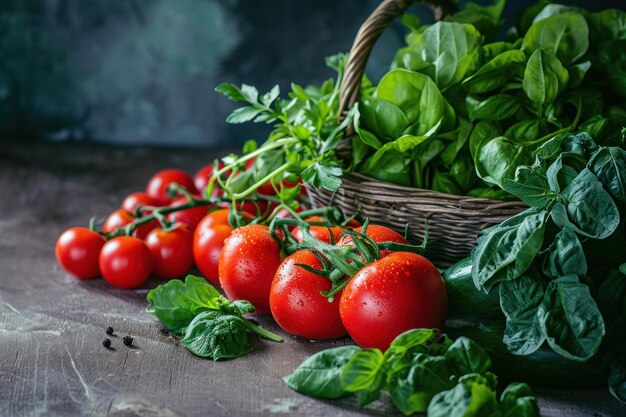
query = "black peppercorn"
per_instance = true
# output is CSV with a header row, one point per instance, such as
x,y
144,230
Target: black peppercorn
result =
x,y
106,343
128,340
109,330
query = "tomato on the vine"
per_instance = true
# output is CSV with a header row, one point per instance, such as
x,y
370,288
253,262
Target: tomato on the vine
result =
x,y
191,216
322,233
297,304
157,186
379,234
202,178
172,250
248,262
208,241
77,250
400,292
120,218
138,199
125,262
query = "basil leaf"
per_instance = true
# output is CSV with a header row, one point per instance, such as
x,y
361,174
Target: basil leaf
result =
x,y
612,63
487,19
495,73
530,185
518,400
570,319
567,256
466,357
607,24
176,303
319,376
483,130
217,336
609,166
545,78
520,300
497,107
473,396
588,209
443,183
508,250
565,35
383,118
362,374
498,158
428,375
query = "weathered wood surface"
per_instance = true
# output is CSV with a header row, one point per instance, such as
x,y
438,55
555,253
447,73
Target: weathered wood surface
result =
x,y
52,362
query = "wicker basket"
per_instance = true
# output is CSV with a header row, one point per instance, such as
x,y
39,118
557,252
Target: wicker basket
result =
x,y
454,221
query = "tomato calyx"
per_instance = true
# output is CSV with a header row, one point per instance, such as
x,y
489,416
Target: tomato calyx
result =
x,y
340,262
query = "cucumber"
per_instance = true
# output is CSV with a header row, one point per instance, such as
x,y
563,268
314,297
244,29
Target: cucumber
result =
x,y
542,368
464,299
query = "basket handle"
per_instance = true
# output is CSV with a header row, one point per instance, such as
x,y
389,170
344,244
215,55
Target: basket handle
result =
x,y
366,38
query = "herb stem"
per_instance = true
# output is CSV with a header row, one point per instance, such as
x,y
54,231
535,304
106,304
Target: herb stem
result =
x,y
266,334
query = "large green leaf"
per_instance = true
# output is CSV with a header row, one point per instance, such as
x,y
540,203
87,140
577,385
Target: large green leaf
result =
x,y
609,166
495,73
498,158
567,256
544,78
565,35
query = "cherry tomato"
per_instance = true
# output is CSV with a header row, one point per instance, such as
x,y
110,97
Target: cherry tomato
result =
x,y
191,216
77,251
172,251
208,241
157,186
379,234
400,292
296,302
120,218
321,233
247,265
203,176
125,262
138,199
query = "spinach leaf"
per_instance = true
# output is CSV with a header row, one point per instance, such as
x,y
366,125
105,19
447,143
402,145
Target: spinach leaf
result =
x,y
508,250
545,78
498,158
473,396
418,97
520,300
497,107
565,35
518,400
319,376
443,183
611,300
570,319
487,19
609,166
530,185
612,63
467,357
176,303
607,25
567,256
383,118
495,73
483,130
217,336
588,209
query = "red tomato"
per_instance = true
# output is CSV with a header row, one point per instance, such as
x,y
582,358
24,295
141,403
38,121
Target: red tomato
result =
x,y
77,250
203,176
400,292
247,265
120,218
191,216
296,302
319,232
172,251
125,262
379,234
157,186
208,241
138,199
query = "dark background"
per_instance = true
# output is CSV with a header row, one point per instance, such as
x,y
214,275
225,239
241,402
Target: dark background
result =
x,y
143,71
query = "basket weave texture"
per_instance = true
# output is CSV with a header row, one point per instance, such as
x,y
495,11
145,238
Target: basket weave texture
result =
x,y
454,221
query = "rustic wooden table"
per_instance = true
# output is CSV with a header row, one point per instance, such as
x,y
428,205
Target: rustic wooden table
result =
x,y
52,362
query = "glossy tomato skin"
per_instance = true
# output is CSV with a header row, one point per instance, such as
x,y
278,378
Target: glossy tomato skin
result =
x,y
191,216
120,218
297,304
400,292
77,251
208,241
138,199
321,233
125,262
379,234
157,186
172,251
247,265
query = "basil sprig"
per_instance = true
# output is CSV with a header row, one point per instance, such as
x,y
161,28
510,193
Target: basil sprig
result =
x,y
211,326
